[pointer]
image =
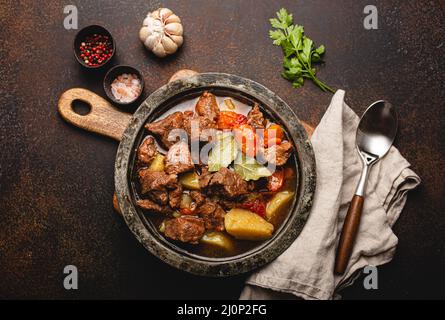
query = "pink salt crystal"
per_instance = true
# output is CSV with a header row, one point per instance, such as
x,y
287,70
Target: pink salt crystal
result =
x,y
126,88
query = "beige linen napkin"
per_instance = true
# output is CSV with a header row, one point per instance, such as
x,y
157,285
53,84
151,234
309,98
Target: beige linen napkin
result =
x,y
305,269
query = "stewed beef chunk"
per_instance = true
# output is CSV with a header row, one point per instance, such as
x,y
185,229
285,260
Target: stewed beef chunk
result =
x,y
278,154
255,118
207,106
209,210
174,196
163,128
159,196
160,187
188,116
152,206
199,127
156,180
225,182
147,150
197,197
205,177
179,159
213,215
185,228
228,204
208,129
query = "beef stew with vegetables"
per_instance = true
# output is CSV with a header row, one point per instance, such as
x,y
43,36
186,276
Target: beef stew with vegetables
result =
x,y
215,176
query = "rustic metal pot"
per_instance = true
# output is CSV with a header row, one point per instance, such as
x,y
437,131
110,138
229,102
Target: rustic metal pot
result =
x,y
157,103
107,120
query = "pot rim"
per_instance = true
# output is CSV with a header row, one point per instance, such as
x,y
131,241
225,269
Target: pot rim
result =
x,y
265,252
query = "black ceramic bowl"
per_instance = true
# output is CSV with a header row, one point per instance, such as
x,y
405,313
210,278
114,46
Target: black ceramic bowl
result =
x,y
80,37
112,74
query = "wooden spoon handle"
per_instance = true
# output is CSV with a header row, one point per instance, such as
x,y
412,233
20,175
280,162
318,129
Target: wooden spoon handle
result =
x,y
348,234
103,118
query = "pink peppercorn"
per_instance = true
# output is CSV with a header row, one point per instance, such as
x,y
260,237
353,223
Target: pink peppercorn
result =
x,y
96,50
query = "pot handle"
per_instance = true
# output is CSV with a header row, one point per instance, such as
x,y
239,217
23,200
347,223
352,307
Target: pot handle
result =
x,y
103,118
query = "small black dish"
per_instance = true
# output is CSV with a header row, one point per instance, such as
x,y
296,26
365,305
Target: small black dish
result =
x,y
112,74
80,37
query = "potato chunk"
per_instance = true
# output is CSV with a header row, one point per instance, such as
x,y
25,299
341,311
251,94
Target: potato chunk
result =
x,y
157,164
246,225
277,203
190,181
218,239
186,201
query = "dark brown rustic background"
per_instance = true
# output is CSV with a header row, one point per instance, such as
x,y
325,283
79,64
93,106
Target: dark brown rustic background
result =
x,y
56,181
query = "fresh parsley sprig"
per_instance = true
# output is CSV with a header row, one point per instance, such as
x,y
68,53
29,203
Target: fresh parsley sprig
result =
x,y
299,51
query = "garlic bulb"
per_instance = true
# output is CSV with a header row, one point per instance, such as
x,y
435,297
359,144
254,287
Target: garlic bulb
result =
x,y
161,32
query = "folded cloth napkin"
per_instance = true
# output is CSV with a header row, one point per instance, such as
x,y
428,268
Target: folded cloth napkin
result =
x,y
306,268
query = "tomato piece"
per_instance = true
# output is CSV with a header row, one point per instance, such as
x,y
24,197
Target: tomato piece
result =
x,y
274,134
246,138
229,119
241,119
270,142
279,133
257,206
276,180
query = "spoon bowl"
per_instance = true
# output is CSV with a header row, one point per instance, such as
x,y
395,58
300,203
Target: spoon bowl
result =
x,y
377,129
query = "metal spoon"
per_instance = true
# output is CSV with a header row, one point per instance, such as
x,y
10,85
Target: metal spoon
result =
x,y
375,136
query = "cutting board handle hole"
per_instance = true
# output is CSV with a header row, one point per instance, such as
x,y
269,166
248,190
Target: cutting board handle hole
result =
x,y
81,107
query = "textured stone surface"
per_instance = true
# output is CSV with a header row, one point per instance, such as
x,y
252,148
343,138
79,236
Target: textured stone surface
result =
x,y
56,181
